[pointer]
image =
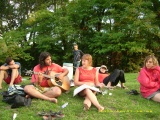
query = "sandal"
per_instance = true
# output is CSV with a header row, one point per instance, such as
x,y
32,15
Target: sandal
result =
x,y
133,92
51,115
101,109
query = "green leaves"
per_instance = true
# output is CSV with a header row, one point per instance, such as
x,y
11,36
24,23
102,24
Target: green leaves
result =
x,y
123,30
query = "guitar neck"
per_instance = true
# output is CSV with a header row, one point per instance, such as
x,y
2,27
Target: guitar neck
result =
x,y
47,76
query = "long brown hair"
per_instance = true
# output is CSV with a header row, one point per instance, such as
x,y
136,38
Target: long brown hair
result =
x,y
42,58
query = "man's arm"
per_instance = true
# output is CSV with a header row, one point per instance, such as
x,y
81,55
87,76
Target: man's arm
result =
x,y
6,67
3,67
15,66
64,73
81,53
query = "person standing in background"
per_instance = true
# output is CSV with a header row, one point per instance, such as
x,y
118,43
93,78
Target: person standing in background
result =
x,y
77,56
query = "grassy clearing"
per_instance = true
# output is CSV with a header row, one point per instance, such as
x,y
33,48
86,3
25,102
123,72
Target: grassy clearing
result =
x,y
118,106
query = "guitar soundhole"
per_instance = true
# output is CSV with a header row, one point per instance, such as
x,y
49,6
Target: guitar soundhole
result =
x,y
59,83
56,79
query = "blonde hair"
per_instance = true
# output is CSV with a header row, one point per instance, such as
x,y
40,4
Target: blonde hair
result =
x,y
154,59
87,57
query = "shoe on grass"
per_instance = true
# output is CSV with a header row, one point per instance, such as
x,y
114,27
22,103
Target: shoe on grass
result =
x,y
12,90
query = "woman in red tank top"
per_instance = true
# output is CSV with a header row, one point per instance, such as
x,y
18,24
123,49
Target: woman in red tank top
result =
x,y
86,74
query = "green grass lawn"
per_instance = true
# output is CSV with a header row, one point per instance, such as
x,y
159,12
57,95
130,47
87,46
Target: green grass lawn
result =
x,y
118,106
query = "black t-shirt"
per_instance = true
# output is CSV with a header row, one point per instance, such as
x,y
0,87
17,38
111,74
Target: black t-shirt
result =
x,y
77,55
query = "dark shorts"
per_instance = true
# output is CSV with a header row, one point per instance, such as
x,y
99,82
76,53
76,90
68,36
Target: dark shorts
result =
x,y
16,81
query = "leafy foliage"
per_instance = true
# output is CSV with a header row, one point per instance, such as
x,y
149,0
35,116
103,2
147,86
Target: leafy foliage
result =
x,y
117,33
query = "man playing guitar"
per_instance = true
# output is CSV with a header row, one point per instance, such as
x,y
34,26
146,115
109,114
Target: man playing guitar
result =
x,y
44,78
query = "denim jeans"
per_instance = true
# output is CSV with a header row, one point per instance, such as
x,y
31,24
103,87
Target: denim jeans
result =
x,y
76,64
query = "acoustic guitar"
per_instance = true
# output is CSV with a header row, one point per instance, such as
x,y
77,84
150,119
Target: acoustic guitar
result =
x,y
64,84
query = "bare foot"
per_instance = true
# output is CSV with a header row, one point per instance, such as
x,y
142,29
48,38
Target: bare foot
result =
x,y
0,88
86,107
53,100
100,109
109,87
124,87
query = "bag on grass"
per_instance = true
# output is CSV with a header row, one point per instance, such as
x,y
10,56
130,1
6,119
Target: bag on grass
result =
x,y
21,101
17,99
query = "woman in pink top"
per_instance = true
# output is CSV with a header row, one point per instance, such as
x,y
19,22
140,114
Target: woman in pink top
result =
x,y
87,75
149,79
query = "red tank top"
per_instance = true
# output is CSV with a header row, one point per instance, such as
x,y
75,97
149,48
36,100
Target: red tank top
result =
x,y
87,75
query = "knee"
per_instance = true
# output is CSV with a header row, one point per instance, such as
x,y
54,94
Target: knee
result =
x,y
117,71
57,91
122,72
27,88
87,91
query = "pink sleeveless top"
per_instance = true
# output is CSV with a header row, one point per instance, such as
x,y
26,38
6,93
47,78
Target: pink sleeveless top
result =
x,y
87,75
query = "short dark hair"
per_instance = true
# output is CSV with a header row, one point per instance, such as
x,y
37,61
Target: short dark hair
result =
x,y
8,60
42,58
75,44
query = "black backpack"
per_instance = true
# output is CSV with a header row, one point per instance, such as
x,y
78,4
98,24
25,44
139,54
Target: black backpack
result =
x,y
17,99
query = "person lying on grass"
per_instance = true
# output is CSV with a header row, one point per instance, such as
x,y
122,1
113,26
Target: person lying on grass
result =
x,y
111,80
86,74
149,79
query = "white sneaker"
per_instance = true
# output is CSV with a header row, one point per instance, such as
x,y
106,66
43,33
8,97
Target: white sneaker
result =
x,y
12,90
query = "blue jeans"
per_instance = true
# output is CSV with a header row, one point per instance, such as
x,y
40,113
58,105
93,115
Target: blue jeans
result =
x,y
76,64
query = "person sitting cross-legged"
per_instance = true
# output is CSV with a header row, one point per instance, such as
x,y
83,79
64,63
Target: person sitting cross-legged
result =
x,y
42,87
86,74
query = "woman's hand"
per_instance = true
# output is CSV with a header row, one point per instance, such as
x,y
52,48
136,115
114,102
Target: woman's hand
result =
x,y
101,85
89,83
